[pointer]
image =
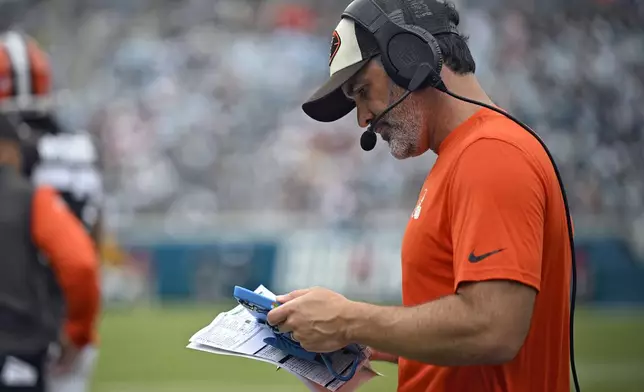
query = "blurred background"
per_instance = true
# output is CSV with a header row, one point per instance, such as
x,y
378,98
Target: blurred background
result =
x,y
214,177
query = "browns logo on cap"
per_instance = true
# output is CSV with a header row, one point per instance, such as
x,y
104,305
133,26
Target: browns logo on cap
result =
x,y
351,48
335,45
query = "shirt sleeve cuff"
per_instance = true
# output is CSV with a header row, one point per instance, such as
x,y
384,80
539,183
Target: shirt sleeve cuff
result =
x,y
484,274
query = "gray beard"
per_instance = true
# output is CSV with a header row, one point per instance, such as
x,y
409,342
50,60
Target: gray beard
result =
x,y
403,125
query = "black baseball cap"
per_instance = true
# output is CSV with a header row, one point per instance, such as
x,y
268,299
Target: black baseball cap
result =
x,y
352,47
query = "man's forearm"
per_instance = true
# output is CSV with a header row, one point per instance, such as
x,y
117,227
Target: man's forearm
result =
x,y
444,332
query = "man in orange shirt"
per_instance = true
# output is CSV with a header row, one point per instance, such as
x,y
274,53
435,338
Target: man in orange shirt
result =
x,y
486,256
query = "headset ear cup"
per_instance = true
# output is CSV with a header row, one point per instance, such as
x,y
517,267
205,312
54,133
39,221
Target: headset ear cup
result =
x,y
406,50
435,58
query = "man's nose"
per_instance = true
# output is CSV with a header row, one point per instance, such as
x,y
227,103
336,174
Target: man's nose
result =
x,y
364,116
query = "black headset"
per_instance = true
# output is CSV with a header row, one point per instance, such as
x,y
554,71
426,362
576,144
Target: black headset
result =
x,y
410,54
412,58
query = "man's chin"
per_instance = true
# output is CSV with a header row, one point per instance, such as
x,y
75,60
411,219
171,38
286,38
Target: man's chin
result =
x,y
399,151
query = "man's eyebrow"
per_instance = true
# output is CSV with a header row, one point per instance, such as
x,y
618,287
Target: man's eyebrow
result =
x,y
353,82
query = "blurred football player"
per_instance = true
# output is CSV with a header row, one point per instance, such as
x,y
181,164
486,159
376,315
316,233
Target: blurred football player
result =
x,y
60,159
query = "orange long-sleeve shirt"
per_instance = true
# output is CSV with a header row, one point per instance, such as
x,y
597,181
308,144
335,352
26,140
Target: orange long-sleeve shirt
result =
x,y
60,236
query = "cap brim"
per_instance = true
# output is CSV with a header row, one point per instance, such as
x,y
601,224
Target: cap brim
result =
x,y
329,103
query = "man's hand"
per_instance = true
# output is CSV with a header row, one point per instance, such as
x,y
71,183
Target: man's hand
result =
x,y
317,318
67,357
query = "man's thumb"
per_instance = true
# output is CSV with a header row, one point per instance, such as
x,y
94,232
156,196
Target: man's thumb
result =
x,y
292,295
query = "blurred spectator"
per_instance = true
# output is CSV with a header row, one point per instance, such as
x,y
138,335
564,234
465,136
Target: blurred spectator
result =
x,y
197,103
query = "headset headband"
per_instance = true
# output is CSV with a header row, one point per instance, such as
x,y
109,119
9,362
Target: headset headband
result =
x,y
367,14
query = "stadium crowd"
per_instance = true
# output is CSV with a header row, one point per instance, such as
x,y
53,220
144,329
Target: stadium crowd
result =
x,y
196,104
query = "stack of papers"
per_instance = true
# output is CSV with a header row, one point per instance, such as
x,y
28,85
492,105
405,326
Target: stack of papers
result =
x,y
237,333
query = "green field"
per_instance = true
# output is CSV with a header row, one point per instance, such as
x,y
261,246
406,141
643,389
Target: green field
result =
x,y
143,350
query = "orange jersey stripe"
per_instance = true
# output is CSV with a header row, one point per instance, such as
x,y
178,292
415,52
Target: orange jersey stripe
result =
x,y
6,77
40,72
